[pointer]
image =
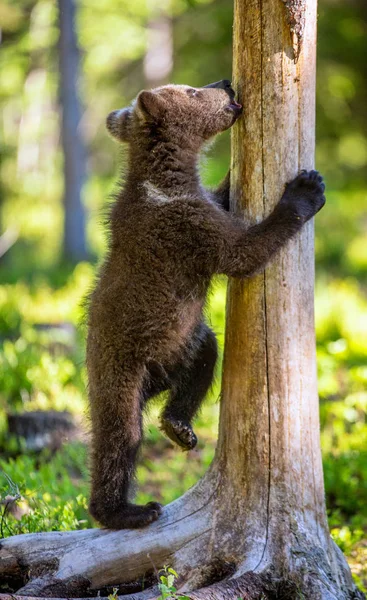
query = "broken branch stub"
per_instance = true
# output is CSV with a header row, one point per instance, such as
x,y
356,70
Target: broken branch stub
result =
x,y
296,17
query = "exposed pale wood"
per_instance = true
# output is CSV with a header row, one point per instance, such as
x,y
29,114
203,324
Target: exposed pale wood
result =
x,y
270,368
256,522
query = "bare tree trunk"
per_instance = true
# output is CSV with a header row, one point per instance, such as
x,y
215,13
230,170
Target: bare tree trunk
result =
x,y
269,429
74,247
255,526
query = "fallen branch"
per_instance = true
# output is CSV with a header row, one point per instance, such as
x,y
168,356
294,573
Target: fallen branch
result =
x,y
75,562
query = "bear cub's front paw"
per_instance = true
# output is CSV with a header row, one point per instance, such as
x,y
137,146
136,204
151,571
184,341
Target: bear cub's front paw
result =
x,y
179,432
304,196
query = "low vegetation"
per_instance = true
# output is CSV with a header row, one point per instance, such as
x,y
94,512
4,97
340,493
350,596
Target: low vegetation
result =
x,y
43,369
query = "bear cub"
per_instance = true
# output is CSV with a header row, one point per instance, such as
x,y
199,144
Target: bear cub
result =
x,y
168,237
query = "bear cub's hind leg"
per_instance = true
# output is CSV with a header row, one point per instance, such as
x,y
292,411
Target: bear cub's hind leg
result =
x,y
191,380
116,413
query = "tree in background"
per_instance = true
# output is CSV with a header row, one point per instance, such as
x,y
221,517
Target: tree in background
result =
x,y
74,245
158,59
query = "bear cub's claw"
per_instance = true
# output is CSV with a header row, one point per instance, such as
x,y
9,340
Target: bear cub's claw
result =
x,y
180,433
304,196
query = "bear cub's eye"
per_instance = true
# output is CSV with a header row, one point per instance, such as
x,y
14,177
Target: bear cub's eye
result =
x,y
191,92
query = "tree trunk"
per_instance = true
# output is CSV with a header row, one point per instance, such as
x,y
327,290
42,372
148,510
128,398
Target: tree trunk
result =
x,y
74,247
255,526
269,440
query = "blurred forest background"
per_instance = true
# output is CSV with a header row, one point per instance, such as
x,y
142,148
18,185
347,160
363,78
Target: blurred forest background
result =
x,y
61,74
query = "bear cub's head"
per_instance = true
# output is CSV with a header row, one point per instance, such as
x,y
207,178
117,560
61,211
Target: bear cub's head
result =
x,y
190,116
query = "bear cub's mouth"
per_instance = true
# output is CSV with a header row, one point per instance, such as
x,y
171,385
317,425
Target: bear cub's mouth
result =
x,y
233,105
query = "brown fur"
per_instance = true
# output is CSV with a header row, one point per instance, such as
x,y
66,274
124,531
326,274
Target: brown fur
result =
x,y
169,237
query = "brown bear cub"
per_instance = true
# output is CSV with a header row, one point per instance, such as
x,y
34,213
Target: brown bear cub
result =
x,y
169,237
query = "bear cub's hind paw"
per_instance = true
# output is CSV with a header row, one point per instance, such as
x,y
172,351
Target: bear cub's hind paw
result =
x,y
179,432
129,516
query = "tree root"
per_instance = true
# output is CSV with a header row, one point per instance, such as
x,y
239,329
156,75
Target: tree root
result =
x,y
250,586
190,537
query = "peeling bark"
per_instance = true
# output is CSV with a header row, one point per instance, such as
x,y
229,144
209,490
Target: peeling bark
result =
x,y
296,18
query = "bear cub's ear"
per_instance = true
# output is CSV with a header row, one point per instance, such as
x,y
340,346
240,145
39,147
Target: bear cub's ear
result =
x,y
118,124
150,105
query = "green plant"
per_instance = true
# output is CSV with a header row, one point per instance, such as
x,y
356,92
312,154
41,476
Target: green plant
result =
x,y
166,585
48,493
36,375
